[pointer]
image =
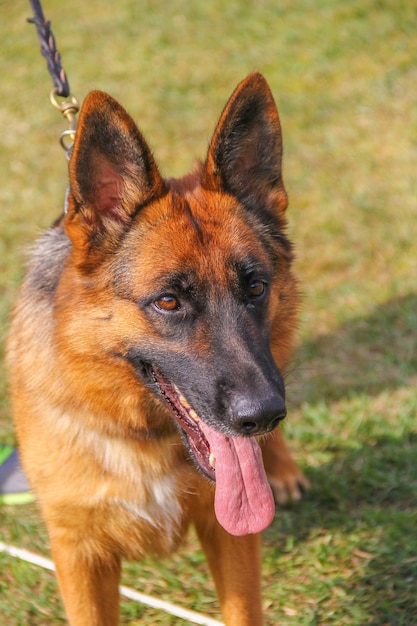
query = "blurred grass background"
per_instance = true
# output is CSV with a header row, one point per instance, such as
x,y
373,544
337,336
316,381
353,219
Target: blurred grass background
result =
x,y
344,75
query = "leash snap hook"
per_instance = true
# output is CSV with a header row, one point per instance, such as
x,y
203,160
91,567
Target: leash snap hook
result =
x,y
69,109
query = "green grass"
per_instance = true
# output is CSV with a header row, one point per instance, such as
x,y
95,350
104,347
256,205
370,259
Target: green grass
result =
x,y
344,77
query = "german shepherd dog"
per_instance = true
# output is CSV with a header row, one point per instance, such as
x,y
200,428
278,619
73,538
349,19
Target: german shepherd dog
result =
x,y
147,352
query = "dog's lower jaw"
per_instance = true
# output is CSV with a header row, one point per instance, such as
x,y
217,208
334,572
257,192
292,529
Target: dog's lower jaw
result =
x,y
243,499
188,422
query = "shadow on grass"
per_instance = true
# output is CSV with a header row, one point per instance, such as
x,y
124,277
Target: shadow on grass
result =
x,y
365,498
366,355
363,507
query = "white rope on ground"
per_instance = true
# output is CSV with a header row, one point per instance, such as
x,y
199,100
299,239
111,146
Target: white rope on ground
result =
x,y
191,616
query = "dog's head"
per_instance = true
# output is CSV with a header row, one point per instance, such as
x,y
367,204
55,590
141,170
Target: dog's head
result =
x,y
199,272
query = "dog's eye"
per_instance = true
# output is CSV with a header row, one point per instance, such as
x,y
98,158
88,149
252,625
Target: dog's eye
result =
x,y
167,303
257,289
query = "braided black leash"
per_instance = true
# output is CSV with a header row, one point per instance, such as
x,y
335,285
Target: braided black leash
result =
x,y
69,107
48,49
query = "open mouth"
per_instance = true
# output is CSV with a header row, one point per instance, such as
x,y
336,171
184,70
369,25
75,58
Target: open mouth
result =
x,y
189,422
243,500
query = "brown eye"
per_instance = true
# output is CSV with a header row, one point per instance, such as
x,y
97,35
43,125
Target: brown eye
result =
x,y
167,303
256,289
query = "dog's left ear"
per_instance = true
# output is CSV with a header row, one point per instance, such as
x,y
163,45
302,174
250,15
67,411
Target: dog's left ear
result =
x,y
112,173
245,154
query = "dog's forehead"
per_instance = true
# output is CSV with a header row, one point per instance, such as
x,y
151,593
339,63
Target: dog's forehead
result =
x,y
191,235
202,225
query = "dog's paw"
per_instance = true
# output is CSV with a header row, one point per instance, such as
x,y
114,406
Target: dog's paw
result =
x,y
289,483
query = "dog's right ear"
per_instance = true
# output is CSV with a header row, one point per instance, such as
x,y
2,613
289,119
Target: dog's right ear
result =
x,y
112,174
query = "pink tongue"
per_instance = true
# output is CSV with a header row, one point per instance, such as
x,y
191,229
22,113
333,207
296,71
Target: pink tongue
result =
x,y
243,502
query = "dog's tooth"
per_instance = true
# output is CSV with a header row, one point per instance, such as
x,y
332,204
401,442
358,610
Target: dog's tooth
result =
x,y
212,460
194,415
182,398
184,402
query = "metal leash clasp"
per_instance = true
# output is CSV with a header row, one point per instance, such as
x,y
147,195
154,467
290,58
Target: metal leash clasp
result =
x,y
69,108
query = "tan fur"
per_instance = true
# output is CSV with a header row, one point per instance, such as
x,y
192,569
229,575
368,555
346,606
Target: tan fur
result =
x,y
102,453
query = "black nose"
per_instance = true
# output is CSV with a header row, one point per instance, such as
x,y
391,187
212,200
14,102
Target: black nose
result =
x,y
254,416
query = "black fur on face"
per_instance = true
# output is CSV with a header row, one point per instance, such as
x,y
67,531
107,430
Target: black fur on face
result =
x,y
210,358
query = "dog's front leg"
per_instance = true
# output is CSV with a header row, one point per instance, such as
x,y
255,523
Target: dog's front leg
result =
x,y
235,564
285,477
89,584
